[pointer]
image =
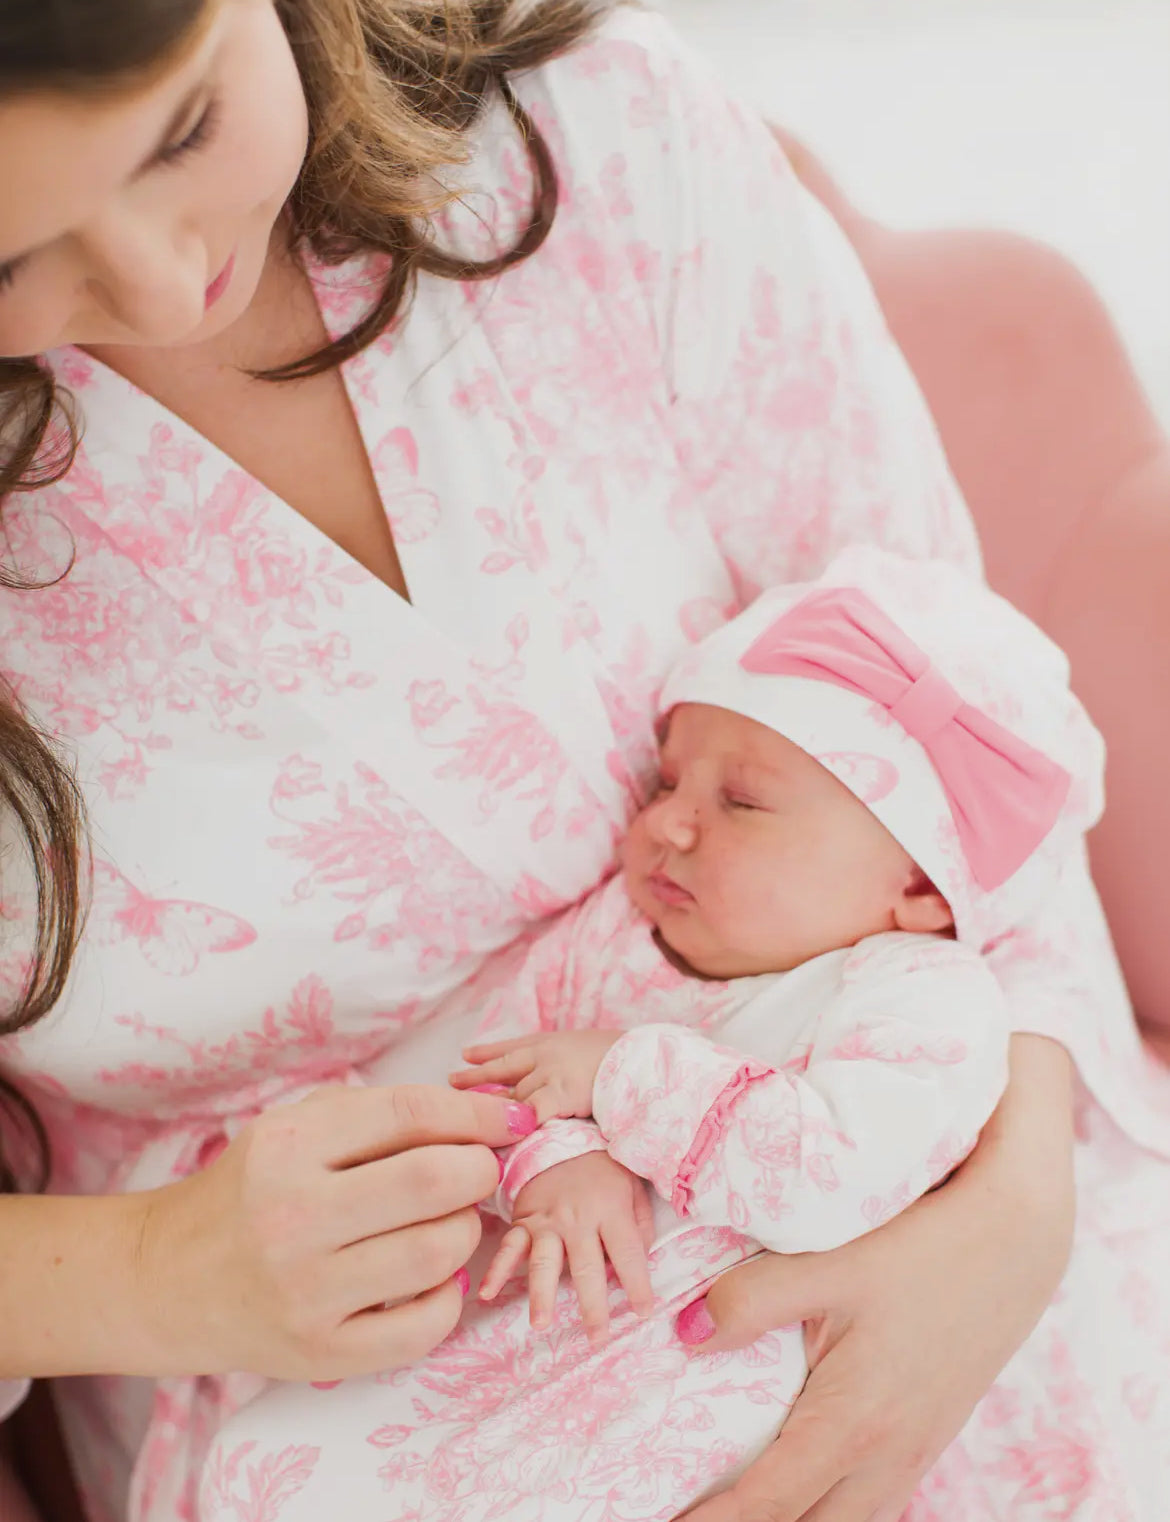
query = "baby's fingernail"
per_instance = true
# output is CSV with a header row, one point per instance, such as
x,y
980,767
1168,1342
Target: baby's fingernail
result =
x,y
490,1088
463,1280
521,1120
324,1384
694,1324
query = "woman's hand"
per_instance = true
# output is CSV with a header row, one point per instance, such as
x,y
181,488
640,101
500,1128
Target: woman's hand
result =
x,y
281,1256
906,1328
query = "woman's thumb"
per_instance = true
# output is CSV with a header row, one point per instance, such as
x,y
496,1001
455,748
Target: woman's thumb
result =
x,y
762,1296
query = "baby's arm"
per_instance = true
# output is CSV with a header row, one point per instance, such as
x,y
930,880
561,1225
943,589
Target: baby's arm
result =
x,y
551,984
907,1064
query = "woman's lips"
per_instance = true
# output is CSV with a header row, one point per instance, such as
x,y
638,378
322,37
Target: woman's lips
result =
x,y
220,284
667,891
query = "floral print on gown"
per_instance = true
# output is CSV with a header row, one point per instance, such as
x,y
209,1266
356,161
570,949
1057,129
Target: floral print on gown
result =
x,y
318,809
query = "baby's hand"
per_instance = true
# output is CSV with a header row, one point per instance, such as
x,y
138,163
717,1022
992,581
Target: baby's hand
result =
x,y
553,1073
588,1209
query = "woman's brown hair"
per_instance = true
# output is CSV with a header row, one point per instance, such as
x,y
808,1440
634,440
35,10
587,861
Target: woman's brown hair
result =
x,y
39,795
392,87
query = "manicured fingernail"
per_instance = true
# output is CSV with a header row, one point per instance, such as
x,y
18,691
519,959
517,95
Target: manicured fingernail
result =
x,y
489,1088
521,1120
694,1324
324,1384
463,1280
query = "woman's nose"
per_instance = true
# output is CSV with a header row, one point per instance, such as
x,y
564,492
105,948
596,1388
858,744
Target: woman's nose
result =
x,y
148,276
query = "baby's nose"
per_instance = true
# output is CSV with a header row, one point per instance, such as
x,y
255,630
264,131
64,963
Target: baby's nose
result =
x,y
676,821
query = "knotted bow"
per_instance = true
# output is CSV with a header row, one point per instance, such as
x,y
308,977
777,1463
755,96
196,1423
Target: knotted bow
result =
x,y
1004,795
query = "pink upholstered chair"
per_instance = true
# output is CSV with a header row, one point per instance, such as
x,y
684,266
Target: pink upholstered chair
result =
x,y
1068,476
1067,473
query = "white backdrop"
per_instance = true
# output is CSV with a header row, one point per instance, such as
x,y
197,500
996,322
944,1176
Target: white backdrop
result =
x,y
1051,117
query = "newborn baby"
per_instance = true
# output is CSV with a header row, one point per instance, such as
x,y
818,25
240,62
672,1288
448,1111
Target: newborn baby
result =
x,y
848,812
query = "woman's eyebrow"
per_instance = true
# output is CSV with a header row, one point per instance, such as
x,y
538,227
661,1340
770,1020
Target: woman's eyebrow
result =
x,y
178,116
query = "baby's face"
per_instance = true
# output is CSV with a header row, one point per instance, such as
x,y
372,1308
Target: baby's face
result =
x,y
753,858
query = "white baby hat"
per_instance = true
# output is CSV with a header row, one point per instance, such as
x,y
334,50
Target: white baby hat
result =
x,y
942,708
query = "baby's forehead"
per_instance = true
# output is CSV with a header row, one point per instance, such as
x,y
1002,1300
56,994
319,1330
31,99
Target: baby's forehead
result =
x,y
702,730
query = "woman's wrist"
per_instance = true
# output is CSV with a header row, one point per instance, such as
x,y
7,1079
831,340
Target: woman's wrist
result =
x,y
1024,1159
70,1288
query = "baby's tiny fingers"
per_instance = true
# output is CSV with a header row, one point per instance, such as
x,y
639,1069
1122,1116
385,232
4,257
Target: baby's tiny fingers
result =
x,y
644,1214
587,1266
498,1070
510,1254
485,1051
544,1274
623,1246
544,1099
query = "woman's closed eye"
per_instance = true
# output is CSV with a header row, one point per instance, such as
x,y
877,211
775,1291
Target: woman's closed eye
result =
x,y
195,138
198,136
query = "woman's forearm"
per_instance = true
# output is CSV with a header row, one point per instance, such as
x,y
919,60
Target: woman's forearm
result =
x,y
70,1296
1030,1135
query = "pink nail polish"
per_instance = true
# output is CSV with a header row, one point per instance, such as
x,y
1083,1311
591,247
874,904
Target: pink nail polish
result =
x,y
521,1120
694,1324
463,1280
489,1088
324,1384
500,1165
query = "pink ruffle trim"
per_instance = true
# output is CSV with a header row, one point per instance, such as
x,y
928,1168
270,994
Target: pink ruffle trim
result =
x,y
713,1125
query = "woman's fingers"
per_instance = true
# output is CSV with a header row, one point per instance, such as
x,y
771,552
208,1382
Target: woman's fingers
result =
x,y
355,1126
509,1258
546,1261
423,1185
399,1264
766,1294
392,1339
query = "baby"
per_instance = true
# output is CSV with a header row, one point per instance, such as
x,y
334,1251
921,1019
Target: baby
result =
x,y
864,782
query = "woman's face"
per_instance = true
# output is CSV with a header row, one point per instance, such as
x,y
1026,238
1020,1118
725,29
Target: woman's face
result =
x,y
144,217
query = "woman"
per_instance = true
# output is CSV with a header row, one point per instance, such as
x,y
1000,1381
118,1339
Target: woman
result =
x,y
413,612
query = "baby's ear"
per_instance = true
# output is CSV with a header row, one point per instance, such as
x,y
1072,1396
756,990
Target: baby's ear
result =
x,y
921,908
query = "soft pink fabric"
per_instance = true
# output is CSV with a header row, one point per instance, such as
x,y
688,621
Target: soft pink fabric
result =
x,y
1004,794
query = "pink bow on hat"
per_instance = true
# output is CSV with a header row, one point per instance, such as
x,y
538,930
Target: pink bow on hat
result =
x,y
1004,795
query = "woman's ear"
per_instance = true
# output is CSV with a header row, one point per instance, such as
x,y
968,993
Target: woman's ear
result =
x,y
921,908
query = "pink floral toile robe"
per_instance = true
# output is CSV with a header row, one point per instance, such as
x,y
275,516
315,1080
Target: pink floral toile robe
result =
x,y
318,810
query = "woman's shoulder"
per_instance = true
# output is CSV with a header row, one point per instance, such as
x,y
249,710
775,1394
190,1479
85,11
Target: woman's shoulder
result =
x,y
632,78
624,113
